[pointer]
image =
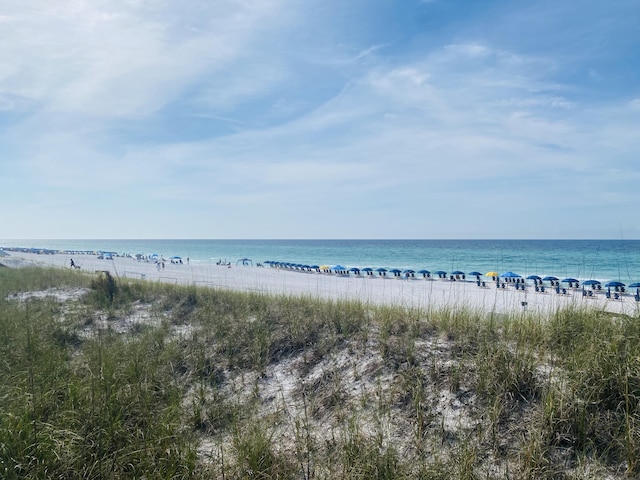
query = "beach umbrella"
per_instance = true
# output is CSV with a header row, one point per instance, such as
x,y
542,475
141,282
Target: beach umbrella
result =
x,y
367,269
408,270
354,269
424,272
550,278
381,271
591,282
491,274
634,285
396,271
534,277
457,272
569,280
614,284
510,275
475,274
338,268
325,267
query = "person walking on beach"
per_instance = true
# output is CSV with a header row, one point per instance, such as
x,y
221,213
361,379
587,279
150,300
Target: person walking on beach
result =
x,y
73,265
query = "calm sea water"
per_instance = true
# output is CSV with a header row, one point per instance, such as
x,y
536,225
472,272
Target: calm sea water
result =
x,y
600,259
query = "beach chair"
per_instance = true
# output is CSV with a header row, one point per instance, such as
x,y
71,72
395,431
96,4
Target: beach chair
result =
x,y
564,291
541,288
616,296
607,294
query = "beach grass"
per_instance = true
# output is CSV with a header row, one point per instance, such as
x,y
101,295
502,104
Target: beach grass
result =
x,y
125,379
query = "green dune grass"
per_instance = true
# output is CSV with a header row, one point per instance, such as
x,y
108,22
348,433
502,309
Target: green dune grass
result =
x,y
113,378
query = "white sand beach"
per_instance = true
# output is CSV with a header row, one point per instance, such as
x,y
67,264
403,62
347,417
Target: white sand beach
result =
x,y
413,293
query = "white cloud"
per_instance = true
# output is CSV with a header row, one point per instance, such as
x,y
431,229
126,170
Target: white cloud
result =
x,y
119,58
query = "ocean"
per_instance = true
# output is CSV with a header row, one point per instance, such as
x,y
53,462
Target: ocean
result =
x,y
602,260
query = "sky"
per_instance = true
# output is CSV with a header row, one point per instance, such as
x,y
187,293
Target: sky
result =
x,y
319,119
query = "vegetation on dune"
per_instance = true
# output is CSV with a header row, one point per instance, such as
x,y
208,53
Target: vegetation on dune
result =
x,y
135,380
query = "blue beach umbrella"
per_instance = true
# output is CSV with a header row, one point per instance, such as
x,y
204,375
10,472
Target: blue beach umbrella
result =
x,y
550,278
569,280
534,277
354,270
457,272
591,282
474,274
510,275
614,284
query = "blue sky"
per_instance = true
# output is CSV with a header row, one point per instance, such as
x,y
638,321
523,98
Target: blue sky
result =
x,y
319,119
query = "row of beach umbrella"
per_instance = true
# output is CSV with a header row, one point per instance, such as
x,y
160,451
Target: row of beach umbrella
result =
x,y
443,274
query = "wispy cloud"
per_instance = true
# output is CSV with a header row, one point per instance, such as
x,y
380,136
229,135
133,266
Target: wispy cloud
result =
x,y
248,109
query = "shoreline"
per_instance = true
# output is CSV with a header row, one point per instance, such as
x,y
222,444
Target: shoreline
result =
x,y
415,292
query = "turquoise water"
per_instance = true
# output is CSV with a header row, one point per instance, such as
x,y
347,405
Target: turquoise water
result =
x,y
599,259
